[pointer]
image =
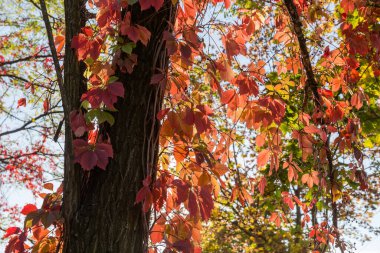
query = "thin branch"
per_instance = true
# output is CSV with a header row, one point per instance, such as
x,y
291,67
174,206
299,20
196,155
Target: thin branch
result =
x,y
311,82
26,124
32,57
52,48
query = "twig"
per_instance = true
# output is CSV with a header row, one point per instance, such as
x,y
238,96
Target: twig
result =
x,y
53,50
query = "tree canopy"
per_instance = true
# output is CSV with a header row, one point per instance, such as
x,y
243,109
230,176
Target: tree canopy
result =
x,y
206,126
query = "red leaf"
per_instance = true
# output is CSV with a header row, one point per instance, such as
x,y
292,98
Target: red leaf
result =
x,y
185,50
263,157
103,152
134,32
247,85
46,105
89,156
227,96
220,169
78,123
11,231
88,160
157,78
261,185
182,190
183,246
288,200
108,95
146,4
157,234
310,179
21,102
292,173
144,195
202,123
144,34
141,195
325,92
276,219
326,52
116,89
311,129
86,46
193,204
348,5
357,100
28,209
260,139
205,109
161,114
206,203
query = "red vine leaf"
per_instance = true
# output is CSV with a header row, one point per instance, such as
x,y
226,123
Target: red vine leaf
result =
x,y
89,156
28,208
11,231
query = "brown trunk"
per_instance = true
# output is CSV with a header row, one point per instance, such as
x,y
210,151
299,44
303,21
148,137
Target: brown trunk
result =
x,y
99,210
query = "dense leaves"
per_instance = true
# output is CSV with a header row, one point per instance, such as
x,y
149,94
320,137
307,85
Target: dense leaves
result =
x,y
265,122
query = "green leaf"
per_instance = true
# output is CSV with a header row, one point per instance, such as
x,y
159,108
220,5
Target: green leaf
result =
x,y
127,48
319,205
113,79
85,104
105,116
101,116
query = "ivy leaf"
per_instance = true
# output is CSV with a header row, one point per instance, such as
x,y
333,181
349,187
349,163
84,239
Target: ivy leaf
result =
x,y
263,158
206,204
157,234
262,184
227,96
11,231
127,48
193,204
28,208
146,4
78,123
106,95
85,45
89,156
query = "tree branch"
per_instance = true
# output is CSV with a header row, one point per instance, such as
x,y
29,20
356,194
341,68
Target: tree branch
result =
x,y
311,82
53,50
23,127
24,59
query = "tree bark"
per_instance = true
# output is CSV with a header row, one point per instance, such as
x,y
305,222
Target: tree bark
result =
x,y
99,208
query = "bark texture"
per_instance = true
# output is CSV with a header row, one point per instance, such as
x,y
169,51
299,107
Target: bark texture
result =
x,y
99,209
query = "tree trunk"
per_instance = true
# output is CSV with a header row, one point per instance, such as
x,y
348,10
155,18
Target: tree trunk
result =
x,y
99,206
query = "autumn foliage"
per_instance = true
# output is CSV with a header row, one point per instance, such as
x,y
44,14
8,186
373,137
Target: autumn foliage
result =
x,y
266,117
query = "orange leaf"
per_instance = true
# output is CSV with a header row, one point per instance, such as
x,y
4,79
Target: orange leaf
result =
x,y
263,157
261,185
260,139
59,42
220,169
49,186
157,234
227,96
